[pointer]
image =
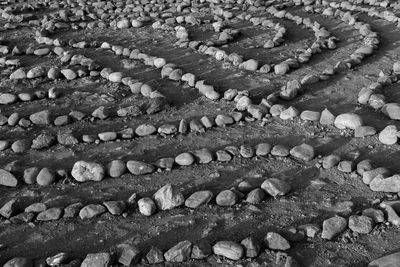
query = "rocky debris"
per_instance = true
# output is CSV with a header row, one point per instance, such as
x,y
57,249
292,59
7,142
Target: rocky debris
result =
x,y
333,226
84,171
180,252
228,249
168,197
198,198
276,241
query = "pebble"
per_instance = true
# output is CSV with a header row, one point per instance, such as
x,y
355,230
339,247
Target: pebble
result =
x,y
84,171
223,120
275,187
223,156
246,151
8,209
129,255
391,260
51,214
390,184
392,110
363,166
7,179
289,113
69,74
19,262
203,156
370,175
198,198
45,177
40,118
72,210
168,197
107,136
184,159
180,252
145,129
155,256
57,259
36,208
310,230
304,152
97,259
280,151
255,196
276,242
228,249
376,215
361,224
91,210
100,113
167,129
309,115
363,131
30,175
346,166
348,120
388,135
147,206
115,207
226,198
330,161
139,168
6,98
327,118
333,226
116,168
251,246
263,149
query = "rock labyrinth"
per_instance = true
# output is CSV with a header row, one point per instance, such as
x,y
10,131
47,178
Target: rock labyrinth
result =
x,y
199,132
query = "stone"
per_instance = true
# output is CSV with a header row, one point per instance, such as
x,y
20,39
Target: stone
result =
x,y
116,168
100,113
223,120
167,129
180,252
165,163
289,113
107,136
226,198
203,156
139,168
364,166
198,198
327,118
363,131
115,77
145,129
263,149
309,115
330,161
147,206
346,166
40,118
185,159
201,250
251,246
228,249
276,242
280,151
348,120
168,197
155,256
8,209
361,224
281,68
43,141
333,226
376,215
275,187
129,255
6,98
196,126
115,207
370,175
7,179
66,138
223,156
310,230
97,260
391,260
69,74
392,110
36,208
84,171
246,151
389,185
72,210
304,152
388,135
45,177
57,259
51,214
91,210
255,196
30,175
19,262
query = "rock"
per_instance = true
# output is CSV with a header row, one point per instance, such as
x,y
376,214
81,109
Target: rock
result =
x,y
7,179
310,230
327,118
30,175
281,68
115,207
43,141
57,259
72,210
116,168
203,156
223,156
139,168
391,260
363,166
390,184
84,171
263,149
145,129
275,187
251,246
361,224
180,252
196,126
391,213
330,161
100,113
184,159
289,113
304,152
280,151
69,74
128,254
246,151
36,208
165,163
19,262
207,121
45,177
167,129
167,197
223,120
198,198
97,259
66,138
363,131
333,226
6,98
392,110
51,214
228,249
115,77
226,198
91,210
40,118
346,166
250,65
147,206
8,209
388,135
348,120
255,196
155,256
309,115
107,136
376,215
368,176
276,241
